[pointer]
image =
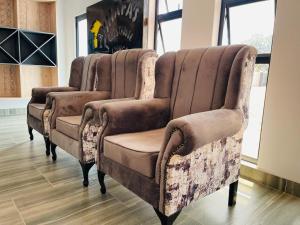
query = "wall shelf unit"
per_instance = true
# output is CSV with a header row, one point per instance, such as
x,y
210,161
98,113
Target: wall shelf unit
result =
x,y
27,46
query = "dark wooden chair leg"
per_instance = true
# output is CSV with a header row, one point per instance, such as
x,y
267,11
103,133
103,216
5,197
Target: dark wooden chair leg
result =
x,y
166,220
101,176
85,170
233,193
47,143
53,151
30,133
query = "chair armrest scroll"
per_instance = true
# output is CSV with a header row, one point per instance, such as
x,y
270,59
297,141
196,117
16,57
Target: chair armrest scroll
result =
x,y
38,95
71,103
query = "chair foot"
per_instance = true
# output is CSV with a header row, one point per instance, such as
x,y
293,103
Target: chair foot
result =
x,y
53,151
85,170
101,176
30,133
166,220
47,143
233,193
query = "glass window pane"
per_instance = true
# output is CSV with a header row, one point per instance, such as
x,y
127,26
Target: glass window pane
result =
x,y
253,24
171,32
256,106
82,38
225,34
169,5
159,47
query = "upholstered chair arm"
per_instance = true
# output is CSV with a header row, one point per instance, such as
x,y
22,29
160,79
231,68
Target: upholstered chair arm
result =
x,y
71,103
134,115
199,149
90,128
199,129
91,109
39,95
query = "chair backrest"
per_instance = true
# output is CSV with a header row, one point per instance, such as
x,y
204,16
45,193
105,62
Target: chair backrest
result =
x,y
124,72
89,72
204,79
76,72
127,73
103,72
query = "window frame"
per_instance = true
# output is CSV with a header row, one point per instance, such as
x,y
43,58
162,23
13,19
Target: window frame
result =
x,y
164,17
77,20
262,58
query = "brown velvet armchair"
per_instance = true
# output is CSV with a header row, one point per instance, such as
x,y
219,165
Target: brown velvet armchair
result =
x,y
80,80
73,117
186,142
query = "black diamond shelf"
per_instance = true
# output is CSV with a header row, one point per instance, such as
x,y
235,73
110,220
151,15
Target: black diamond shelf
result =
x,y
37,39
49,49
38,58
6,58
5,33
11,46
27,48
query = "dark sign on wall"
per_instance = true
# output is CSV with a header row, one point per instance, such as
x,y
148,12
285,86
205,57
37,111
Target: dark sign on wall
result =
x,y
114,25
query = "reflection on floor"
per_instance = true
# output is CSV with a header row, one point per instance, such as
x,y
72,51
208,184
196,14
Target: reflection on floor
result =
x,y
33,190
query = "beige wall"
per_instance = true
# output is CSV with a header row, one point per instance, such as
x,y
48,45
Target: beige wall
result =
x,y
280,139
200,23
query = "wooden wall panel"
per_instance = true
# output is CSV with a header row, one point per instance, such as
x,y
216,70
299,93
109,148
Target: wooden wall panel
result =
x,y
36,76
9,81
8,13
43,19
52,7
54,75
37,16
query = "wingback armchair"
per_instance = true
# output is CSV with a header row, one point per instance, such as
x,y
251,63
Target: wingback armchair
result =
x,y
185,143
81,79
74,118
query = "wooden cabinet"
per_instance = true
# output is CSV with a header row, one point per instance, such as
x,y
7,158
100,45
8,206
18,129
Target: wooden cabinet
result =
x,y
34,15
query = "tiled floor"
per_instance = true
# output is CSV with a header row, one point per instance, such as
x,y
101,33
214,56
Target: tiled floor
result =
x,y
34,190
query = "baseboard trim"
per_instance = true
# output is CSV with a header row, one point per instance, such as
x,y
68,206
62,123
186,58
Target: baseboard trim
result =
x,y
250,172
12,112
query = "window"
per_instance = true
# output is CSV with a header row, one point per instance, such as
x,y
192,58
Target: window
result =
x,y
81,36
251,22
169,18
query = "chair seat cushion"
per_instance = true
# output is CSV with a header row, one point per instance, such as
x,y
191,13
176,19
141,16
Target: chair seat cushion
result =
x,y
69,126
36,110
137,151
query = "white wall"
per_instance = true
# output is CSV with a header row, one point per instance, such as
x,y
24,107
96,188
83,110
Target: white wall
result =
x,y
280,139
67,10
149,26
200,23
60,42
